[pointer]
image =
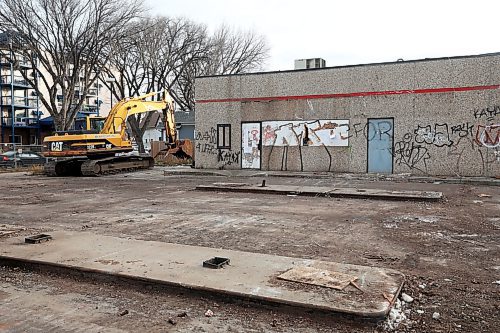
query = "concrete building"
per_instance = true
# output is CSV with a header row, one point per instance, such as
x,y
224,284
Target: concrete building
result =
x,y
432,116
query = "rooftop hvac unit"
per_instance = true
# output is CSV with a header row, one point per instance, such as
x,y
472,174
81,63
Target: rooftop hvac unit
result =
x,y
310,63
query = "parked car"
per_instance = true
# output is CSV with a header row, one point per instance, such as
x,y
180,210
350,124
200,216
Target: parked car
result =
x,y
8,159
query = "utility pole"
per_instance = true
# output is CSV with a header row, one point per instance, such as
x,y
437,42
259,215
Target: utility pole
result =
x,y
12,110
12,101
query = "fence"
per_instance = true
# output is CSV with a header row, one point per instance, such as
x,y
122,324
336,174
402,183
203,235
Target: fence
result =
x,y
22,155
5,147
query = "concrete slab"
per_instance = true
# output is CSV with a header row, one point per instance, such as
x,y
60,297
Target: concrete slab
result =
x,y
400,177
249,275
324,191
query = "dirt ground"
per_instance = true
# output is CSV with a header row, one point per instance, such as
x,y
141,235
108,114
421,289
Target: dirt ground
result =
x,y
449,251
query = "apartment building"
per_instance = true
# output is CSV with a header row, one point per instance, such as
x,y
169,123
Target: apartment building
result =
x,y
91,105
19,104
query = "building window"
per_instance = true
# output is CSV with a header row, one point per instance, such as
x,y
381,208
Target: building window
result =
x,y
18,139
223,136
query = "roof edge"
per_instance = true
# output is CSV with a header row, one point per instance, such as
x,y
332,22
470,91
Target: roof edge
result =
x,y
358,65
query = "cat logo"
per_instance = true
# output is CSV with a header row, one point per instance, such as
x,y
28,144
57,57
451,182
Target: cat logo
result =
x,y
56,146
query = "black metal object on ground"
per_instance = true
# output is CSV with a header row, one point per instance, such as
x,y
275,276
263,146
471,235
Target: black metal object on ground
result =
x,y
216,262
37,239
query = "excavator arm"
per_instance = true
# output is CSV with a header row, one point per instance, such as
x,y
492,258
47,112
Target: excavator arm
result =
x,y
116,121
169,120
117,118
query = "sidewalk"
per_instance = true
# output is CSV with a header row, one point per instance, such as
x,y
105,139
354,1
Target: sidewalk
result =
x,y
404,177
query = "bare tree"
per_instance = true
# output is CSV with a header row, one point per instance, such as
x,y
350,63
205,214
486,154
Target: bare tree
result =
x,y
153,60
67,41
168,53
234,52
230,52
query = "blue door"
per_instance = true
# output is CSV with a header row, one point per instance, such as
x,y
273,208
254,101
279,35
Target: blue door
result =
x,y
380,136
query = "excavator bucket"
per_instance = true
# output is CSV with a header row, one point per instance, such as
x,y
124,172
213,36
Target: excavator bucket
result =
x,y
180,152
183,149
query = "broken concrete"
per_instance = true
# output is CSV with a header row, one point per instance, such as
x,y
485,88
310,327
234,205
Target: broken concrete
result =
x,y
249,275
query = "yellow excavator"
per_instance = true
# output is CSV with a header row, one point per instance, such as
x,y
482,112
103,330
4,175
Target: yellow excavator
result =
x,y
102,147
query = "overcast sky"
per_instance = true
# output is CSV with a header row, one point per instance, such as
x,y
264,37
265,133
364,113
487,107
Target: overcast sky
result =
x,y
352,32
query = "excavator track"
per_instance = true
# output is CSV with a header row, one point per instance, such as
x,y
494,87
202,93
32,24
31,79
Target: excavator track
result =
x,y
91,168
61,168
113,165
97,167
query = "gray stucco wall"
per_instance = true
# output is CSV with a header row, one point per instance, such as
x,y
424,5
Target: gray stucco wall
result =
x,y
437,131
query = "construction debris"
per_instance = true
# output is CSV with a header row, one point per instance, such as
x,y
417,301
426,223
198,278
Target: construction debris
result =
x,y
319,277
407,298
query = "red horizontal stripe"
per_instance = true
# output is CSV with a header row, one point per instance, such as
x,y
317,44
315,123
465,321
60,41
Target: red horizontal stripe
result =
x,y
347,95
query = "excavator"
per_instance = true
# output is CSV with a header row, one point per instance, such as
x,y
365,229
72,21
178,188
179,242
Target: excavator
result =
x,y
103,147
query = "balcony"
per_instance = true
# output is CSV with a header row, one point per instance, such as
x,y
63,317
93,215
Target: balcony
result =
x,y
24,62
20,102
18,81
20,122
21,61
87,108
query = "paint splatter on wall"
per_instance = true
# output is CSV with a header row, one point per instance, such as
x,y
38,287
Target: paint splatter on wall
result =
x,y
306,133
250,143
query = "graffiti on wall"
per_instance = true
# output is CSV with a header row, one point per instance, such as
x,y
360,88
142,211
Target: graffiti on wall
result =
x,y
436,134
330,133
442,135
488,113
381,129
411,154
455,143
206,142
250,144
480,138
228,157
488,136
462,130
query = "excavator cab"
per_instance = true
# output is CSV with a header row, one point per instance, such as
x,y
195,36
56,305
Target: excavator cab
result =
x,y
95,123
87,125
